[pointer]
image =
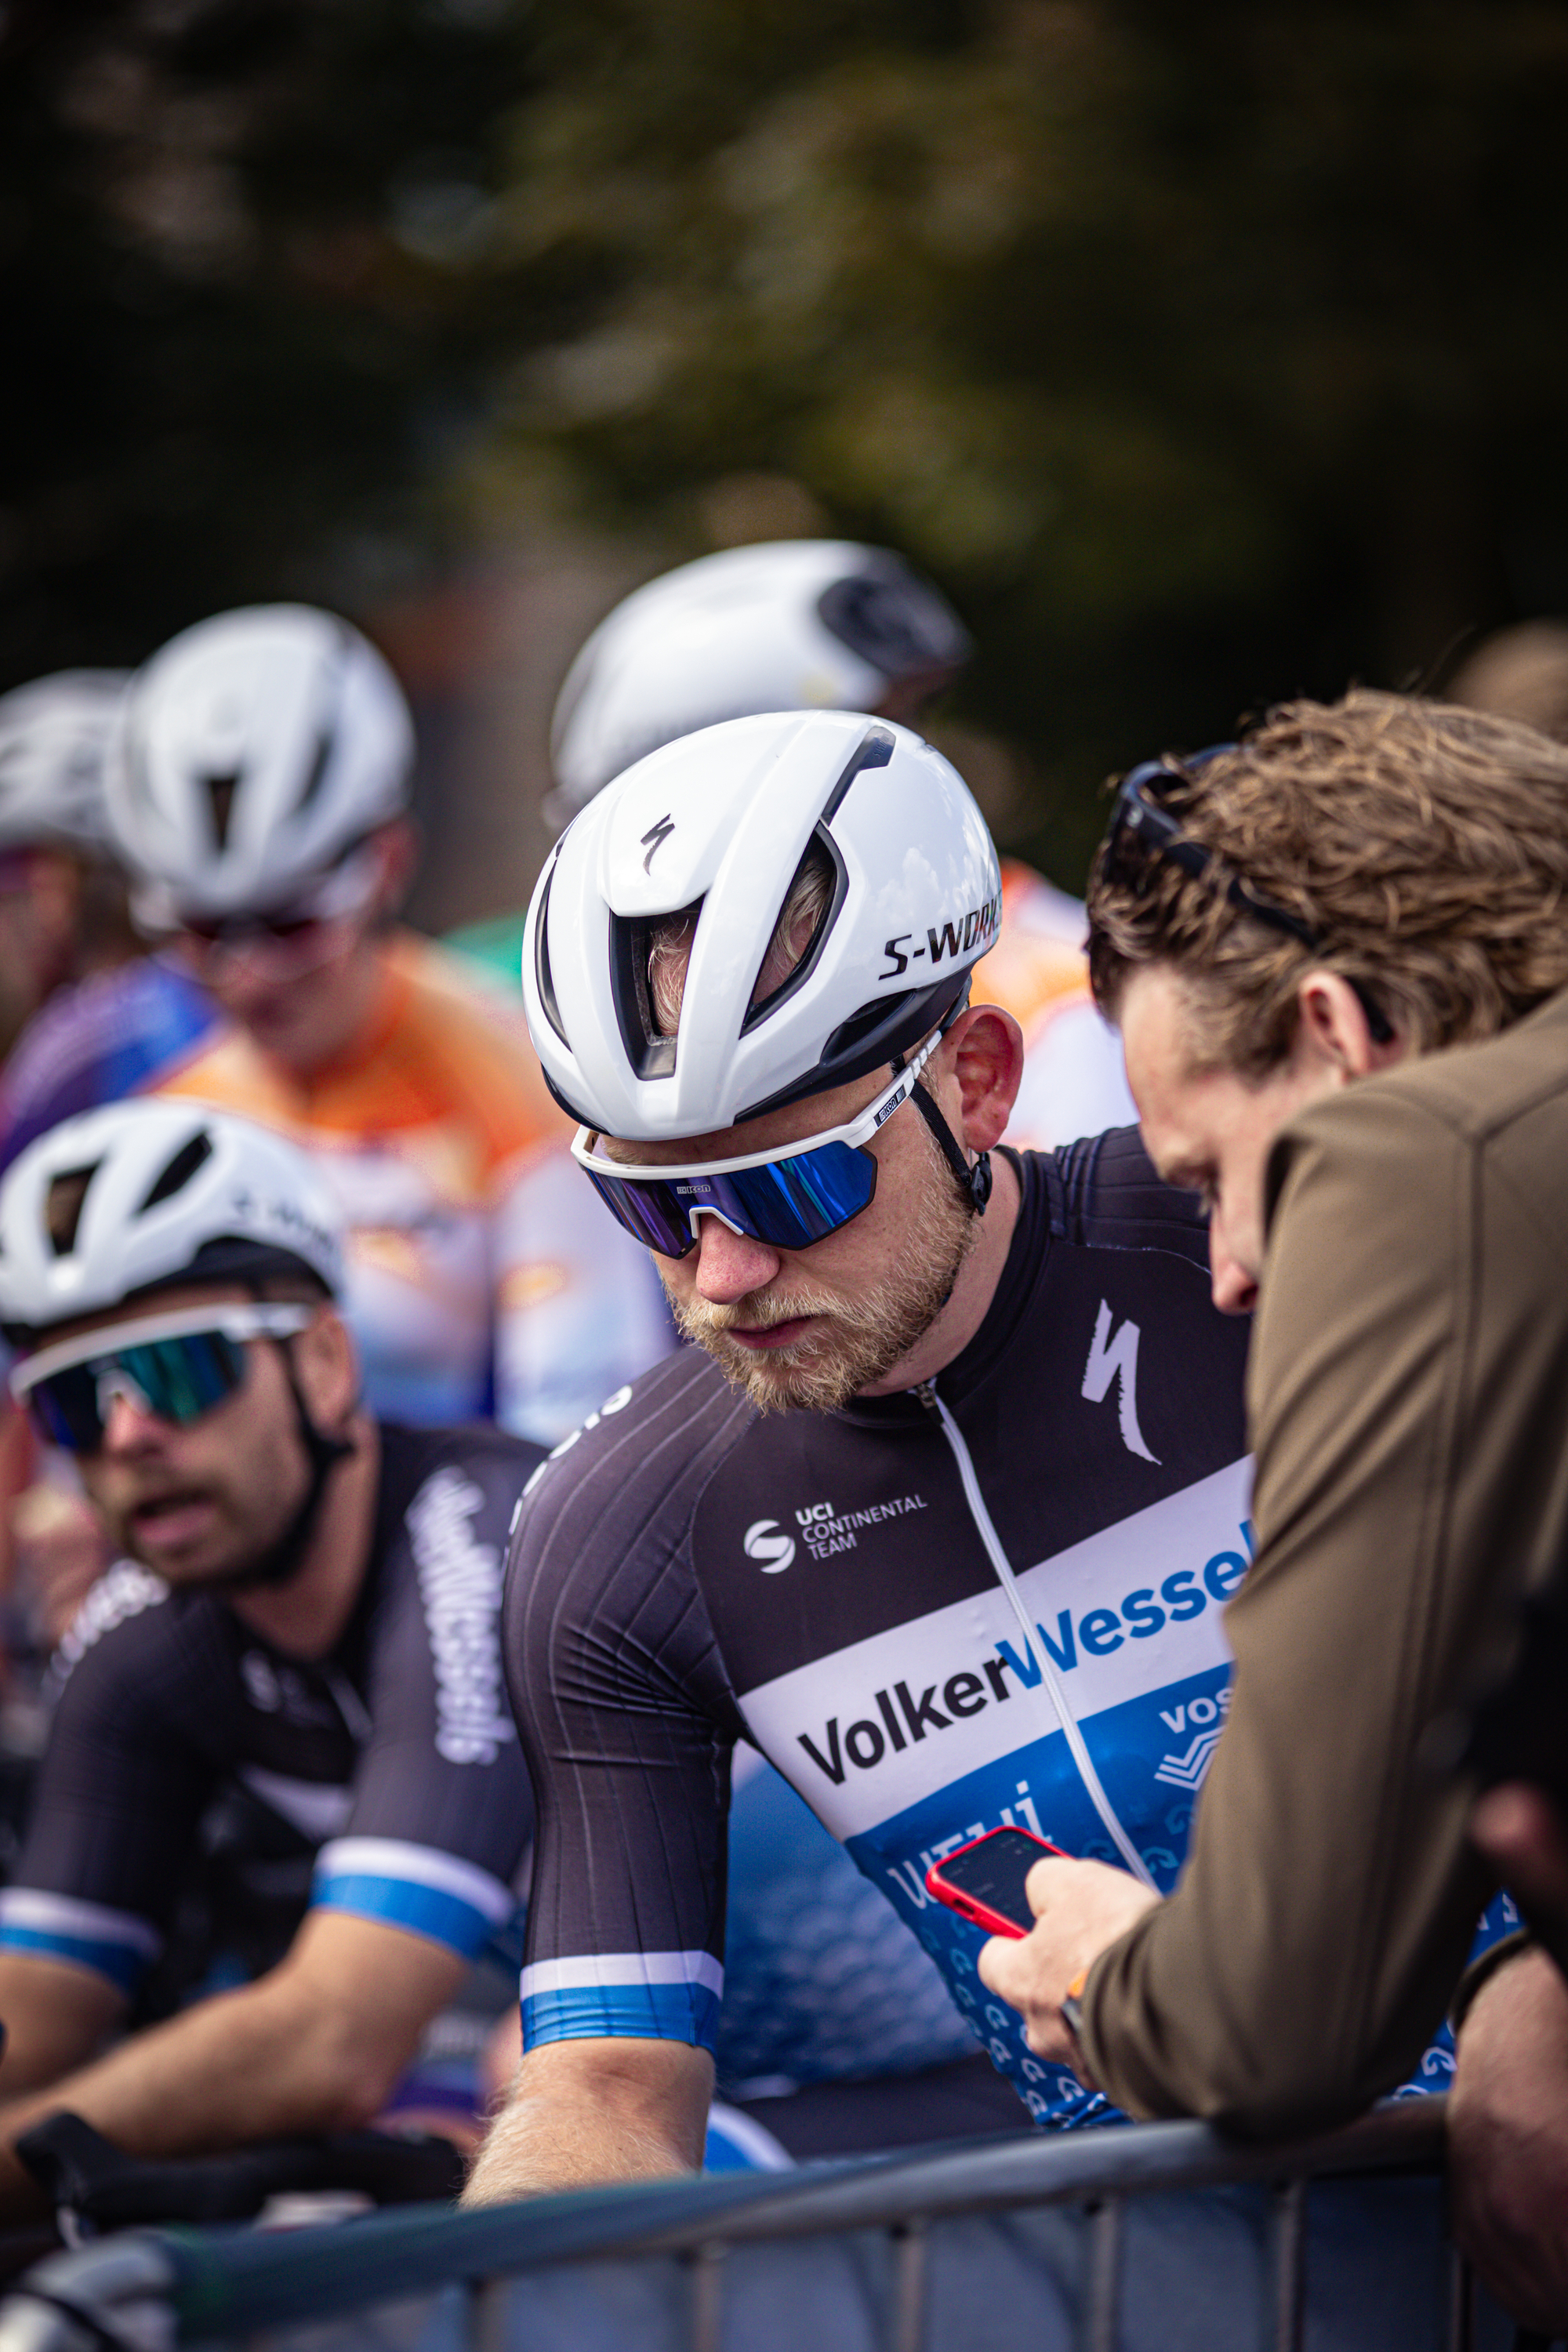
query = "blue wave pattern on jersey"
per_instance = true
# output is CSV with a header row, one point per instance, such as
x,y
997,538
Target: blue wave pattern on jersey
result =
x,y
822,1981
1037,1788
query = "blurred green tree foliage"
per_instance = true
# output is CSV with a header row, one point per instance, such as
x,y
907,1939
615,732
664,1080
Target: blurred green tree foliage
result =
x,y
1203,352
242,334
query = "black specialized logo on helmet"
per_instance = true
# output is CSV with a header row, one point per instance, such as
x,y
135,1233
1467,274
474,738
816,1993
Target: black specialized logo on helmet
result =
x,y
654,837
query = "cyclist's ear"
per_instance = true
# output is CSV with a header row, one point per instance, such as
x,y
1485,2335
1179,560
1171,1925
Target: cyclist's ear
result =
x,y
984,1051
326,1365
397,847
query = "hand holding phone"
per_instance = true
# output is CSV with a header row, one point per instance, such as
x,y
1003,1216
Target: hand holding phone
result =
x,y
983,1879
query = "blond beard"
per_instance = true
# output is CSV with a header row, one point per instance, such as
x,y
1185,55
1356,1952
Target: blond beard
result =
x,y
857,1340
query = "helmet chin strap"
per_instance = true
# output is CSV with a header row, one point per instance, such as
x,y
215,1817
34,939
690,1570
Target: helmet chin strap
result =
x,y
974,1181
282,1560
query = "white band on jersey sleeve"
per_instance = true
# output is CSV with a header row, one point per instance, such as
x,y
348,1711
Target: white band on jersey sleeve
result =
x,y
648,1996
113,1944
417,1887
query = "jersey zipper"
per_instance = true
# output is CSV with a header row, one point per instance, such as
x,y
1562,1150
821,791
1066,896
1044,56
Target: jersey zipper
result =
x,y
1034,1646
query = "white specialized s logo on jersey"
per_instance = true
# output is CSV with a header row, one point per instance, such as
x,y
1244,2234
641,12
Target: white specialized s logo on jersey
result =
x,y
1117,1359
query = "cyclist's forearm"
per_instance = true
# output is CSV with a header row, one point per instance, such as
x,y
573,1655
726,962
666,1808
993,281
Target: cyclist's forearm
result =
x,y
586,2113
246,2065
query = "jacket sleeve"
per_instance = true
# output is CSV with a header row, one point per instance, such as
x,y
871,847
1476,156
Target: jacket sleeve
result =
x,y
1406,1484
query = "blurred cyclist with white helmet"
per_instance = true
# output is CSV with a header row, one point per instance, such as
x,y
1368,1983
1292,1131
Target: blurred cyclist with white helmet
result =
x,y
65,939
804,625
302,1634
258,790
62,911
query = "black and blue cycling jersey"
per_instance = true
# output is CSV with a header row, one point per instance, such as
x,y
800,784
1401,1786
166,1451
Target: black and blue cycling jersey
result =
x,y
996,1600
387,1773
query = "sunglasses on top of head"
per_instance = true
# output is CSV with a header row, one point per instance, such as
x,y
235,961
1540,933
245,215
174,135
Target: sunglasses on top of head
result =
x,y
1139,823
787,1198
177,1366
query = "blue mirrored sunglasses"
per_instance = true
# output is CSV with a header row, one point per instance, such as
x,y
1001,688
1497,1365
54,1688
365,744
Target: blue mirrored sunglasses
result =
x,y
787,1198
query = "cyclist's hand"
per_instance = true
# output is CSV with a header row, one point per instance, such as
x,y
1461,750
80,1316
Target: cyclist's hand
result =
x,y
1523,1834
1508,2140
1080,1908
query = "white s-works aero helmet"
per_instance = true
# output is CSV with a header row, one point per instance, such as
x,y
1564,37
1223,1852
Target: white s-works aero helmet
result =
x,y
54,734
137,1196
251,753
795,624
716,826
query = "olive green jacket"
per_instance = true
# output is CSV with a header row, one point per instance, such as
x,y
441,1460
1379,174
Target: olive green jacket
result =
x,y
1408,1399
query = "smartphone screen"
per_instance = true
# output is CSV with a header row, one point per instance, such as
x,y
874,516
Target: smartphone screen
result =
x,y
994,1870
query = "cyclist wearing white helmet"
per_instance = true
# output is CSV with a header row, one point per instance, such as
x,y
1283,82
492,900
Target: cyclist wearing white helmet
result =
x,y
303,1633
804,625
813,623
799,624
944,1396
257,788
826,624
61,911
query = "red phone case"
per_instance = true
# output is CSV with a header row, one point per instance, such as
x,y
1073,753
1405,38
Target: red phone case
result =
x,y
970,1906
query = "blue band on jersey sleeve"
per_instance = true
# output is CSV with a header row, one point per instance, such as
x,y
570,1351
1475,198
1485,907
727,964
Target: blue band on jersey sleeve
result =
x,y
644,1996
415,1887
112,1943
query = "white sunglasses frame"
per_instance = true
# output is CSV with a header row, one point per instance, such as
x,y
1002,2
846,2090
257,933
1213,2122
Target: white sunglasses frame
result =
x,y
858,1131
260,1321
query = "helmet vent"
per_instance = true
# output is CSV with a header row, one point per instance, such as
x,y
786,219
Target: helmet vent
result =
x,y
817,890
651,1050
221,790
179,1172
887,615
312,783
63,1206
542,970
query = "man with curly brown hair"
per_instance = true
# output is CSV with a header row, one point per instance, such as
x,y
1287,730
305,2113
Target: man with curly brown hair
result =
x,y
1337,957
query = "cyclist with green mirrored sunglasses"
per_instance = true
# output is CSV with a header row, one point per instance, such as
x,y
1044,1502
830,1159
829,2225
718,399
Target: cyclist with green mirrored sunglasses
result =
x,y
301,1636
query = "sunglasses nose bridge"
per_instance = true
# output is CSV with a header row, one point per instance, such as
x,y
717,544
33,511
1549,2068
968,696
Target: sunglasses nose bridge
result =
x,y
115,1384
709,1208
126,1419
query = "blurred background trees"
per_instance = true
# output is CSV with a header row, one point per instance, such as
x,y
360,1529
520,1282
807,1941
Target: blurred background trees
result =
x,y
1202,353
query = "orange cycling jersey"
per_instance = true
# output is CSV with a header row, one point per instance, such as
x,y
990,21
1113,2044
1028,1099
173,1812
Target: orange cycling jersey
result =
x,y
433,1132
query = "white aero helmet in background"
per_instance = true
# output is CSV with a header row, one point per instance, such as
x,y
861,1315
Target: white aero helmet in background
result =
x,y
252,753
798,624
717,824
53,738
138,1196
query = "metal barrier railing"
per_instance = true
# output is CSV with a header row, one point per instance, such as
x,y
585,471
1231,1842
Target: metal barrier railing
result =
x,y
191,2287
